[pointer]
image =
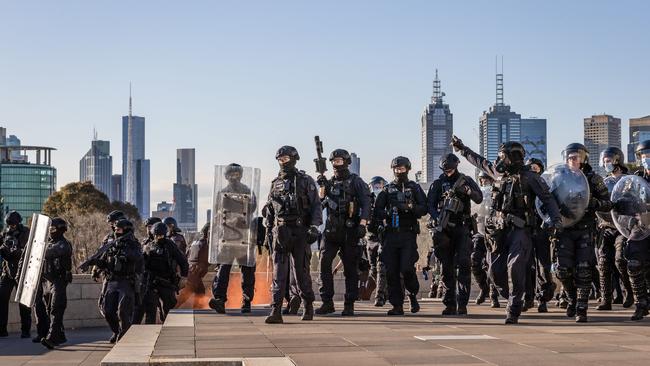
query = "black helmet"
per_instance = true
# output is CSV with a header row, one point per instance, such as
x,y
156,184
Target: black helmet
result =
x,y
613,153
124,224
233,168
377,180
170,221
59,224
151,220
290,151
448,162
642,148
13,218
537,162
205,230
401,161
514,151
158,229
341,153
576,148
114,216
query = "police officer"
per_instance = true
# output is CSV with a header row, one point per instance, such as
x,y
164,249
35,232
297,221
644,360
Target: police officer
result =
x,y
575,249
508,228
112,218
295,214
373,246
51,297
395,216
612,264
161,258
138,308
449,206
347,200
233,174
479,263
197,257
120,260
12,245
174,234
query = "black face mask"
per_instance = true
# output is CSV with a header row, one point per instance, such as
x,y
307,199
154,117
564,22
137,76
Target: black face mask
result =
x,y
341,170
402,177
288,167
56,234
501,165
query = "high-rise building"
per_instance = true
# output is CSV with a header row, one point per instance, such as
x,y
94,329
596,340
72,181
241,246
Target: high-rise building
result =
x,y
185,190
116,187
25,185
498,125
163,209
355,167
97,166
601,131
533,137
639,131
437,129
135,168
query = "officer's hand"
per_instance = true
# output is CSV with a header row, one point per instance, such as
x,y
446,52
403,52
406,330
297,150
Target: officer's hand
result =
x,y
463,190
312,234
557,226
457,143
361,231
182,283
321,180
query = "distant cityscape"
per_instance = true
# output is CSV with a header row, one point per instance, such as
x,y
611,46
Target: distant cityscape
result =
x,y
27,177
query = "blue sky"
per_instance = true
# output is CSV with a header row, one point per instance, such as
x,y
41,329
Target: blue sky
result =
x,y
236,80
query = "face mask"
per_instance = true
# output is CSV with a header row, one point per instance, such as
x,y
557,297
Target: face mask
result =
x,y
609,167
501,166
341,169
402,177
646,163
376,191
287,167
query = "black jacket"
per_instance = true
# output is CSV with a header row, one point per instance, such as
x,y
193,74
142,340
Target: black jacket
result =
x,y
443,184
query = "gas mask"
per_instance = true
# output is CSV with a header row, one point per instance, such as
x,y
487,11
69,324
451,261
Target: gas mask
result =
x,y
502,163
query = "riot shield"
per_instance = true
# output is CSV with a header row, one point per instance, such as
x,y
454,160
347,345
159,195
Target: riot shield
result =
x,y
33,259
605,219
631,198
482,211
233,226
570,189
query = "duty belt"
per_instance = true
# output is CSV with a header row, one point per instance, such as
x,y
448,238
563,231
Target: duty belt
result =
x,y
401,229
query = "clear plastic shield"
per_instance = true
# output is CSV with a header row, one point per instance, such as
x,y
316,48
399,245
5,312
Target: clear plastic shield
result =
x,y
482,210
571,191
233,227
631,198
34,257
605,219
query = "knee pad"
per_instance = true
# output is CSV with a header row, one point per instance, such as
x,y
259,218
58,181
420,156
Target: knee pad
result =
x,y
563,273
634,266
583,271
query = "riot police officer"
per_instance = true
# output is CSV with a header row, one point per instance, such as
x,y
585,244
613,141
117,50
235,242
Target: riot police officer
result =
x,y
395,216
138,308
449,205
508,228
112,218
612,264
347,200
373,246
51,297
161,258
295,214
12,245
575,248
233,174
174,234
197,257
120,260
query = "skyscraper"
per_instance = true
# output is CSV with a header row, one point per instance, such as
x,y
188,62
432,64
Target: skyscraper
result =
x,y
639,131
533,137
135,168
97,166
355,167
437,129
601,131
116,187
185,190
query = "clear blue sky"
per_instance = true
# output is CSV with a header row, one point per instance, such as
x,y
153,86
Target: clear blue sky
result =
x,y
236,80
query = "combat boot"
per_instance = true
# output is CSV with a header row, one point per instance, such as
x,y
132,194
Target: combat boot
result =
x,y
396,310
348,309
415,306
628,300
292,307
511,319
462,310
581,314
450,310
380,301
606,304
308,311
327,307
541,308
482,295
275,317
640,311
246,307
218,305
571,310
113,338
528,304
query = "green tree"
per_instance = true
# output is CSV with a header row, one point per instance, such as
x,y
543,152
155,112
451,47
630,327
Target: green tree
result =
x,y
78,197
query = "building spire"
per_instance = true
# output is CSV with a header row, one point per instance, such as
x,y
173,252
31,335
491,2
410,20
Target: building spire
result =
x,y
130,102
94,134
437,95
499,79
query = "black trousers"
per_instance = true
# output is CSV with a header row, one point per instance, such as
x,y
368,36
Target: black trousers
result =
x,y
291,250
349,251
156,297
399,254
222,279
636,252
118,305
575,258
6,287
612,263
50,304
453,247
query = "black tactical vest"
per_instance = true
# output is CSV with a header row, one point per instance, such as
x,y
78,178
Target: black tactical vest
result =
x,y
289,198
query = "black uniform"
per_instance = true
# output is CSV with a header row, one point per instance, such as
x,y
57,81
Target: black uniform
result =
x,y
177,237
397,210
377,267
452,244
636,252
341,236
12,246
161,258
509,228
51,297
139,306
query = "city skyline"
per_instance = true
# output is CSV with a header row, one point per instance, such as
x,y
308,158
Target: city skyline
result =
x,y
237,81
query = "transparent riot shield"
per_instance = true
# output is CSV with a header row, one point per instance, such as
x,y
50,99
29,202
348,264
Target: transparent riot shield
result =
x,y
605,219
34,257
233,227
571,191
482,210
631,198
